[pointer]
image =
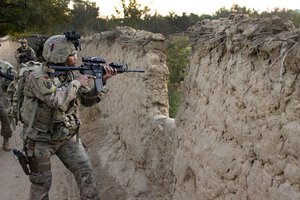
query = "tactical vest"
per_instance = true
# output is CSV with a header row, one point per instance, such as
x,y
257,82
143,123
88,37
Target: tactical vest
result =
x,y
25,54
60,123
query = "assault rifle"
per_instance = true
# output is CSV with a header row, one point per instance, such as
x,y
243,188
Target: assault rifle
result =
x,y
7,76
94,66
25,57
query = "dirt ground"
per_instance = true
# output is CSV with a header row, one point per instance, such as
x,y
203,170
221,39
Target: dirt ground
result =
x,y
15,185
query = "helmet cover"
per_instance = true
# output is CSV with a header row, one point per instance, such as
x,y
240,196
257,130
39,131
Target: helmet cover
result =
x,y
23,41
57,48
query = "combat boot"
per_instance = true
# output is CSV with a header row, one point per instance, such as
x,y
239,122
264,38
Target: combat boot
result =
x,y
6,145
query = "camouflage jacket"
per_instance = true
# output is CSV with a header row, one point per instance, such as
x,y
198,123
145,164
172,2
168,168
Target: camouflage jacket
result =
x,y
24,55
57,99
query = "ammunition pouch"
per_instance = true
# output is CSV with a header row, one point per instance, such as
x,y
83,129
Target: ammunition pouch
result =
x,y
66,129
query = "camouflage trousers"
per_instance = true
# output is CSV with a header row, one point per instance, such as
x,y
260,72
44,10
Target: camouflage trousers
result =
x,y
73,156
6,131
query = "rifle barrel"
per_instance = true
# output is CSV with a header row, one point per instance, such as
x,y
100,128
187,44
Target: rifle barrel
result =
x,y
65,68
135,70
87,68
6,76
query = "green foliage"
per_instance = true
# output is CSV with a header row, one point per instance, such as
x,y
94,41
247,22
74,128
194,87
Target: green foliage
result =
x,y
53,16
21,16
178,51
157,24
293,15
175,98
222,13
84,17
133,13
8,13
235,9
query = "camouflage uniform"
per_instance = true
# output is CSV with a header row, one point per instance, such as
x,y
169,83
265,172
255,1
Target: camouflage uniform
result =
x,y
50,114
24,53
6,131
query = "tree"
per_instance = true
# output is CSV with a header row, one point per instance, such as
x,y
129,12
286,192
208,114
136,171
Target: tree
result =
x,y
183,22
243,10
178,51
157,24
84,16
133,13
293,15
21,16
48,16
222,13
235,9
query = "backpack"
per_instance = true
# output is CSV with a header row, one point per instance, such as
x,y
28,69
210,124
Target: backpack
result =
x,y
15,92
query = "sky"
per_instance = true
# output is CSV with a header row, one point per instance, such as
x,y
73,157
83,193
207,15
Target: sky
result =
x,y
163,7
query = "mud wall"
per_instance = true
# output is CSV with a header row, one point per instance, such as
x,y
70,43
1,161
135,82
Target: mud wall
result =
x,y
238,128
8,46
130,128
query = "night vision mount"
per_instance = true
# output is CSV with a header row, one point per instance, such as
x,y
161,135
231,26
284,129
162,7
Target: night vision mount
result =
x,y
74,37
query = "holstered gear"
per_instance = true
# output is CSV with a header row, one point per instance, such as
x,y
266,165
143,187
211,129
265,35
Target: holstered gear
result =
x,y
22,160
29,162
36,164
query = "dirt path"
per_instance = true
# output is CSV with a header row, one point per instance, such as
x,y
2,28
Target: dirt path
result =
x,y
15,184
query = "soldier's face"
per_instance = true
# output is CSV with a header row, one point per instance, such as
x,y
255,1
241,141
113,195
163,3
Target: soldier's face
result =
x,y
23,45
71,60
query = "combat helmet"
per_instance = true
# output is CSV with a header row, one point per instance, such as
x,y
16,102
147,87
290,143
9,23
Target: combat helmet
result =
x,y
23,41
57,48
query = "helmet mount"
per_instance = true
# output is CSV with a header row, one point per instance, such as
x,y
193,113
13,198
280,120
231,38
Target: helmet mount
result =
x,y
74,37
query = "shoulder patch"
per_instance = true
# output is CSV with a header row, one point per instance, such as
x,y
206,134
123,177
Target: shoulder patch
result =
x,y
45,85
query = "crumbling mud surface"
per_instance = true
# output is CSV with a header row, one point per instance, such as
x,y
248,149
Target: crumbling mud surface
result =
x,y
238,127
